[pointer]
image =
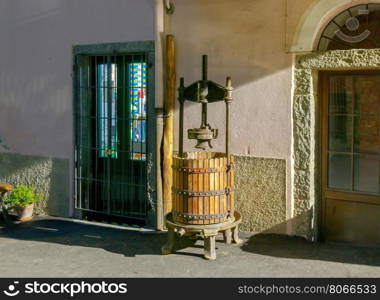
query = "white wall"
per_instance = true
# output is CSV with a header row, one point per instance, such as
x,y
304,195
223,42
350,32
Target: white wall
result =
x,y
36,113
245,40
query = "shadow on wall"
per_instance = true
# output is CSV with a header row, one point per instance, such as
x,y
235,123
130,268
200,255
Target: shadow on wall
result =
x,y
50,177
131,243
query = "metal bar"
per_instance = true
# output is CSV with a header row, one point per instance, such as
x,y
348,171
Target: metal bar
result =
x,y
129,216
78,136
181,111
200,217
104,181
109,134
204,68
142,174
204,92
96,129
337,41
189,193
354,153
123,133
201,170
228,101
131,161
105,133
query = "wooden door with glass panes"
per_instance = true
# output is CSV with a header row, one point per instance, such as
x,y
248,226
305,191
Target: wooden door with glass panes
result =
x,y
350,157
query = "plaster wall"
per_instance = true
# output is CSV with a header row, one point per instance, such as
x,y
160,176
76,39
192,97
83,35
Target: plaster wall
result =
x,y
246,40
36,115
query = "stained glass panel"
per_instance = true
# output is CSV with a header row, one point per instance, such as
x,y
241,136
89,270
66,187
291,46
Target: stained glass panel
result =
x,y
137,84
107,110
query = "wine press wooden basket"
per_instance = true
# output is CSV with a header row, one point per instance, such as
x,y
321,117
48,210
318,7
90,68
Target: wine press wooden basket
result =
x,y
203,188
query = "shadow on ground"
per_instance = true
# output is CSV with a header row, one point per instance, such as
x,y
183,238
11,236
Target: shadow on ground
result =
x,y
298,248
67,232
131,243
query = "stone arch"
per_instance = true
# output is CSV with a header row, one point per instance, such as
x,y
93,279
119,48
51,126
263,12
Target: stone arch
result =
x,y
314,20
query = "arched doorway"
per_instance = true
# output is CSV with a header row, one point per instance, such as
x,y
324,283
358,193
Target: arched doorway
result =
x,y
336,131
350,132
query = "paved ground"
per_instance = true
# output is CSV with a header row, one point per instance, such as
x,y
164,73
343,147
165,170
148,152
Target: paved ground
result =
x,y
54,247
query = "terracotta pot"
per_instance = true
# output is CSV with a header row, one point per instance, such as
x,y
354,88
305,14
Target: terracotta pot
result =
x,y
25,213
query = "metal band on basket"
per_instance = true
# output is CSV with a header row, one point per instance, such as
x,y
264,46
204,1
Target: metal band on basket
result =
x,y
200,217
222,192
203,170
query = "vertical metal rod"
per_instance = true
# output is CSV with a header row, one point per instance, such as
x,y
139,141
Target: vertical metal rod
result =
x,y
123,134
97,152
228,101
80,134
132,187
109,130
143,174
204,68
204,91
181,108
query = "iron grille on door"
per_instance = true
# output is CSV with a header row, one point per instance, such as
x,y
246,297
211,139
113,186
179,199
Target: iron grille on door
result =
x,y
112,147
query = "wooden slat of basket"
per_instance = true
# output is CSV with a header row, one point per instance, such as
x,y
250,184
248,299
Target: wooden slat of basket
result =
x,y
212,187
182,185
217,187
195,188
201,188
206,187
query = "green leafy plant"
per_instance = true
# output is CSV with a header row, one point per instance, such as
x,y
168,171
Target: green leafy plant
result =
x,y
22,196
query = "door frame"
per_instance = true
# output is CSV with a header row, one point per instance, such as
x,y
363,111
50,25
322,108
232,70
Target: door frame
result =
x,y
358,197
132,47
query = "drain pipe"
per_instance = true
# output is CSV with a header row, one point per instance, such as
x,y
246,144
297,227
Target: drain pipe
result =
x,y
159,135
159,104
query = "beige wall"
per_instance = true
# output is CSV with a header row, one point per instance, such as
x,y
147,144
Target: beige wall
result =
x,y
246,40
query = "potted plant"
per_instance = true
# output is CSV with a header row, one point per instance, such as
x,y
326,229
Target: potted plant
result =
x,y
22,199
